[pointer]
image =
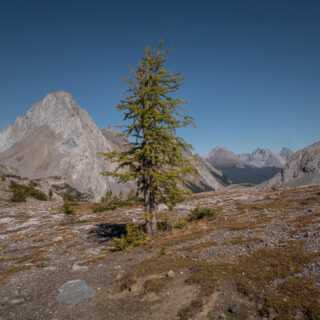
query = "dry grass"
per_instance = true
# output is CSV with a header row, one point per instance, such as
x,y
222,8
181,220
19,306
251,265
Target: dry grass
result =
x,y
256,271
74,244
305,219
191,310
26,262
32,257
92,259
154,265
297,298
9,271
175,239
33,234
156,285
252,274
19,237
286,200
40,239
38,246
200,245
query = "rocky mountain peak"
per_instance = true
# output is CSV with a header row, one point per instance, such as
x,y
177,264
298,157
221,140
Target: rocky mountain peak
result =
x,y
265,158
220,156
55,111
286,153
57,137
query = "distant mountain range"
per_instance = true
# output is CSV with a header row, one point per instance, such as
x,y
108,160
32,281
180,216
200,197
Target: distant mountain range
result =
x,y
255,167
58,138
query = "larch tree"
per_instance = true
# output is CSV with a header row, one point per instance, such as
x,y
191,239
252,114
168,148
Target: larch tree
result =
x,y
155,158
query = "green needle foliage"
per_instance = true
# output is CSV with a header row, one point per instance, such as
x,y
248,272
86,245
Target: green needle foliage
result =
x,y
156,157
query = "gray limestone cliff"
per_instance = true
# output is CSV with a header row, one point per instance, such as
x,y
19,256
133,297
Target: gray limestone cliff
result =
x,y
57,137
302,169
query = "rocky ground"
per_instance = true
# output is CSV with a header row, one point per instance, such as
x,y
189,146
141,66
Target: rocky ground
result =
x,y
257,258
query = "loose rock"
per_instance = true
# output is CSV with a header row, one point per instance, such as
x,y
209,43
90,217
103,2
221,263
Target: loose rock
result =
x,y
234,308
75,291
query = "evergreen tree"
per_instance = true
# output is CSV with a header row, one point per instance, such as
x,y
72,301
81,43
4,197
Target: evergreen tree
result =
x,y
155,157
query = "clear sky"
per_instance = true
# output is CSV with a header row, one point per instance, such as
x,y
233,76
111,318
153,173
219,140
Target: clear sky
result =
x,y
252,67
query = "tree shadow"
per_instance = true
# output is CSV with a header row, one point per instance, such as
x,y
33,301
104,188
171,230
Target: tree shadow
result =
x,y
108,231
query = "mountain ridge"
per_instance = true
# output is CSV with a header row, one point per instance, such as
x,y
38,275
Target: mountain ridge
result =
x,y
255,167
302,169
57,137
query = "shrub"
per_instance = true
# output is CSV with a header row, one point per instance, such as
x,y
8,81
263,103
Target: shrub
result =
x,y
33,184
156,285
18,196
164,225
180,224
99,208
135,237
20,192
199,213
67,208
69,193
163,251
189,311
37,194
167,223
109,202
107,196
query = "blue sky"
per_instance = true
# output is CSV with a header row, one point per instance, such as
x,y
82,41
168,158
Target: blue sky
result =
x,y
252,67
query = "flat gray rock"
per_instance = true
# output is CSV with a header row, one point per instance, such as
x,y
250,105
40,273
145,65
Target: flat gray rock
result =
x,y
75,291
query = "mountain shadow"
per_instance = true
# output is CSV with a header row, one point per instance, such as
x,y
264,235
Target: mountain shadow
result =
x,y
248,174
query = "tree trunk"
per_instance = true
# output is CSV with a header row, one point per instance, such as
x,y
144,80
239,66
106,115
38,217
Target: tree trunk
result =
x,y
150,208
151,223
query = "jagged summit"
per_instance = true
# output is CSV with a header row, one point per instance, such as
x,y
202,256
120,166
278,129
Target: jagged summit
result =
x,y
57,137
265,158
286,153
220,156
54,107
255,167
260,157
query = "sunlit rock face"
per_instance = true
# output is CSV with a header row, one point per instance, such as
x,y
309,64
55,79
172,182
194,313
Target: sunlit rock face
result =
x,y
57,137
302,169
265,158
